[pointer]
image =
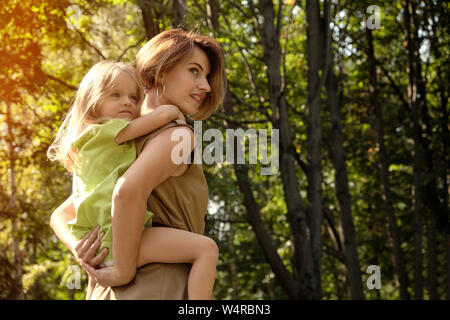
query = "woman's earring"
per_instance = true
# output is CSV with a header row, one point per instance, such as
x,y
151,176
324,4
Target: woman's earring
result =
x,y
157,91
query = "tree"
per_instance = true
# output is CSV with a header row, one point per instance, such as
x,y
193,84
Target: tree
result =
x,y
338,157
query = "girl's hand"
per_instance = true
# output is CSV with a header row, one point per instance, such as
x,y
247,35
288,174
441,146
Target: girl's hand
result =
x,y
85,249
172,110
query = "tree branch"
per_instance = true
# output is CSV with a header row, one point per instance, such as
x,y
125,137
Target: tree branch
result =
x,y
282,274
249,70
279,17
254,15
328,58
283,49
251,78
61,82
301,163
335,234
90,44
218,115
396,88
261,110
132,46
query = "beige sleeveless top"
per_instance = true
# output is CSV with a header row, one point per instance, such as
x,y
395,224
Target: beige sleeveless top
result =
x,y
180,202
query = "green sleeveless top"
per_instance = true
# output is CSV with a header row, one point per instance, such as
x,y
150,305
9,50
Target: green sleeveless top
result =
x,y
100,163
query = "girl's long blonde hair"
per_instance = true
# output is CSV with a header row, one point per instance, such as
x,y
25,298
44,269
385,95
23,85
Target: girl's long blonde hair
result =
x,y
85,108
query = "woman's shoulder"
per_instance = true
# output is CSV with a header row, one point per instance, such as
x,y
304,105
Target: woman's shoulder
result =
x,y
177,127
173,143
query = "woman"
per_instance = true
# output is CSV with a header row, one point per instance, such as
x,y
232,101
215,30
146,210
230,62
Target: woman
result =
x,y
184,69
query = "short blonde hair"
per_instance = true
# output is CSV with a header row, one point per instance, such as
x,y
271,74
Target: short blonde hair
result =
x,y
166,49
85,108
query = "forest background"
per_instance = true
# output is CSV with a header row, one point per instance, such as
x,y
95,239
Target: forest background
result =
x,y
358,91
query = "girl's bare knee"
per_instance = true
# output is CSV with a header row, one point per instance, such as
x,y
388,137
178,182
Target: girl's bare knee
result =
x,y
126,190
210,248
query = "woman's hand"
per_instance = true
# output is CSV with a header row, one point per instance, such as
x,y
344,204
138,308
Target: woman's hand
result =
x,y
86,248
108,276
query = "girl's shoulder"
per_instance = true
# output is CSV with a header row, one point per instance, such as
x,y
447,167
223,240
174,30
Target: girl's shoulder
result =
x,y
105,130
111,126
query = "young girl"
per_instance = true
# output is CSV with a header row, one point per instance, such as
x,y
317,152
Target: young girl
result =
x,y
96,143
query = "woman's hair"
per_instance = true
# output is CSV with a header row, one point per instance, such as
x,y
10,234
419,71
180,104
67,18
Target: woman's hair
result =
x,y
162,53
85,108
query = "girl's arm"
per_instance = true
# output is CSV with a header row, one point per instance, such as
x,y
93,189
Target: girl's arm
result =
x,y
84,249
58,222
148,123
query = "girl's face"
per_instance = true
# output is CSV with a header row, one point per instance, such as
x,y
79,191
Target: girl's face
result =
x,y
121,100
186,83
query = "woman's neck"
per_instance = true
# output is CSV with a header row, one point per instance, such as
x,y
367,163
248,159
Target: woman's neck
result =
x,y
150,103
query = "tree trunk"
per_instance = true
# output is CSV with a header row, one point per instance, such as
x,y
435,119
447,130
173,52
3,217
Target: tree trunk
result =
x,y
309,285
437,199
343,195
13,208
448,266
314,133
394,233
233,266
445,171
151,25
434,207
179,8
432,259
212,10
414,103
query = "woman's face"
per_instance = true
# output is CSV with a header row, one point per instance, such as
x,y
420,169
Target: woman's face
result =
x,y
186,83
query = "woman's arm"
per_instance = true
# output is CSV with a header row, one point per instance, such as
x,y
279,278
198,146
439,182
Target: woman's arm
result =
x,y
130,200
148,123
84,249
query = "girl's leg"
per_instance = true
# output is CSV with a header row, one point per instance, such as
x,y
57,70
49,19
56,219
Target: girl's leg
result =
x,y
170,245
